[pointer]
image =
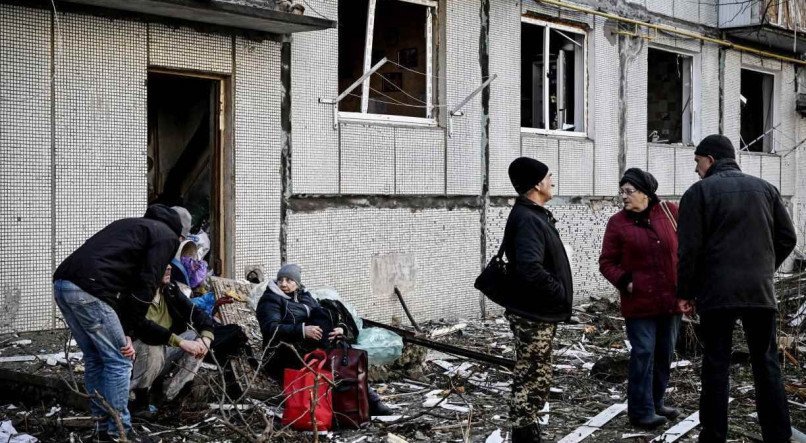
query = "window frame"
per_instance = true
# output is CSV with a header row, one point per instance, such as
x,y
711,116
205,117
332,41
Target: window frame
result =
x,y
695,76
368,117
776,116
547,26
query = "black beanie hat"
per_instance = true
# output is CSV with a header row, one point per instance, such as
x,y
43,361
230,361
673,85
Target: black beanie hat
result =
x,y
717,146
525,172
642,180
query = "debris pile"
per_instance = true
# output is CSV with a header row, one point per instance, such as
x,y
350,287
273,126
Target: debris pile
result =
x,y
436,394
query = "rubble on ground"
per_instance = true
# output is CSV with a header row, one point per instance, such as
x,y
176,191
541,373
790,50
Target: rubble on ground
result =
x,y
437,396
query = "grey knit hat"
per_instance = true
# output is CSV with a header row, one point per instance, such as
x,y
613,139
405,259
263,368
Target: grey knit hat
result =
x,y
186,219
291,271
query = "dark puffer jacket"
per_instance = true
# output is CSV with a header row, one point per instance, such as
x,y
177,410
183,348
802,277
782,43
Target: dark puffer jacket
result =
x,y
123,263
184,314
642,249
283,317
734,233
542,288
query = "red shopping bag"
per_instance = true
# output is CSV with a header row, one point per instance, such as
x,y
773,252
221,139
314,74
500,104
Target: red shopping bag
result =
x,y
300,394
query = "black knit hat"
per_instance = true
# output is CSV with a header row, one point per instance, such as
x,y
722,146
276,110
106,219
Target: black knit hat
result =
x,y
642,180
525,172
717,146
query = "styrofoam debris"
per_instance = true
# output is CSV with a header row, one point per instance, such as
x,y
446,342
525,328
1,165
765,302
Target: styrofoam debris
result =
x,y
9,435
53,411
680,364
495,437
23,342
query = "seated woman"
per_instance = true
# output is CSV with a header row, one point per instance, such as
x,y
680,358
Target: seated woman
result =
x,y
288,314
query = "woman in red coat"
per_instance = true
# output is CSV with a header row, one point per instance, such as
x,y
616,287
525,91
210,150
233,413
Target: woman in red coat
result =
x,y
639,257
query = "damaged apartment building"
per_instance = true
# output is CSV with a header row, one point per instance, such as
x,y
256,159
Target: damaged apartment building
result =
x,y
368,140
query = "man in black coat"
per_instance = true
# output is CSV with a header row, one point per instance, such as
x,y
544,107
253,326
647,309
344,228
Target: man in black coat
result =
x,y
542,292
734,232
103,290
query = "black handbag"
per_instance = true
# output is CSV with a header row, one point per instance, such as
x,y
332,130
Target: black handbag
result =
x,y
495,281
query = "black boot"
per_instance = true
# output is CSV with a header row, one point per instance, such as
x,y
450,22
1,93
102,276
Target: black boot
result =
x,y
376,407
527,434
668,412
650,422
139,406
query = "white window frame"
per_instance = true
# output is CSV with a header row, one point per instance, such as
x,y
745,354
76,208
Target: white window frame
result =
x,y
547,26
694,130
776,113
367,117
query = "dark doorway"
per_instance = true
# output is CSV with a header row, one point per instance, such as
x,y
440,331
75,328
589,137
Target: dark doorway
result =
x,y
184,150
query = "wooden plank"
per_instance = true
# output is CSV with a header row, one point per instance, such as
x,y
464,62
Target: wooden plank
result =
x,y
594,424
681,428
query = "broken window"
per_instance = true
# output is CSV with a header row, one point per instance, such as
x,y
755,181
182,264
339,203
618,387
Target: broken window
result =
x,y
669,97
401,31
757,111
184,151
552,77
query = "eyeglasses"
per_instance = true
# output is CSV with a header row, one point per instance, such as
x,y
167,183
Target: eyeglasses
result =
x,y
627,192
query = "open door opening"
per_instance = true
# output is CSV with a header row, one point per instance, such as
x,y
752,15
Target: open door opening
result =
x,y
185,152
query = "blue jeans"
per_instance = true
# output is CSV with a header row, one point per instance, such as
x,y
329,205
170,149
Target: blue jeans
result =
x,y
97,331
653,340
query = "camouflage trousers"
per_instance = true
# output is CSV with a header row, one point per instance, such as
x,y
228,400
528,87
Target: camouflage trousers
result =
x,y
532,373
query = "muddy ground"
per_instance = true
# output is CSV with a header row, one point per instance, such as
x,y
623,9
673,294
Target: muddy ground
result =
x,y
470,396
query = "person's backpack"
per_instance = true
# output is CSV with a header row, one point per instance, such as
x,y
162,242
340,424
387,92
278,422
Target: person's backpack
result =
x,y
351,394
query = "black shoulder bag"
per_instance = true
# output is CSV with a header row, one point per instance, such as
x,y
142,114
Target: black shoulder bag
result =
x,y
495,280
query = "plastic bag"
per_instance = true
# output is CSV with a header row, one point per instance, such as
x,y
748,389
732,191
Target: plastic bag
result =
x,y
256,293
202,240
382,346
332,294
196,270
205,302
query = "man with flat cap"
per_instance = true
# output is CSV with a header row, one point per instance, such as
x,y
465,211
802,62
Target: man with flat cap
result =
x,y
541,292
734,232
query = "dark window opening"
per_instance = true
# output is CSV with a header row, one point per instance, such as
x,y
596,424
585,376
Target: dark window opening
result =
x,y
756,111
399,33
669,98
532,76
552,97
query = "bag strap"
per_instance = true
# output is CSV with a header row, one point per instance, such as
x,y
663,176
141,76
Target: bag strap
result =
x,y
669,215
317,358
500,253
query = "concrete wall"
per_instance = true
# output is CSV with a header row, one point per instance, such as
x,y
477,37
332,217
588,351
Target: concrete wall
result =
x,y
423,219
73,148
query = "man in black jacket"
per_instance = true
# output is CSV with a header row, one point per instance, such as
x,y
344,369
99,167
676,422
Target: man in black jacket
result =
x,y
734,232
103,290
542,292
175,336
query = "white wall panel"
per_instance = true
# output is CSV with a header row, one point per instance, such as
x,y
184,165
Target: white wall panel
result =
x,y
314,75
257,156
185,48
26,293
662,166
505,118
367,159
419,160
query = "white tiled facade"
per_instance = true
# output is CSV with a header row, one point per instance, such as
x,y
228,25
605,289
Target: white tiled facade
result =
x,y
74,126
